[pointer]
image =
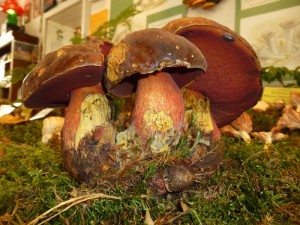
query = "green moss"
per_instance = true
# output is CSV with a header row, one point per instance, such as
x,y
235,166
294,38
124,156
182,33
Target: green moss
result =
x,y
29,178
252,186
29,133
264,121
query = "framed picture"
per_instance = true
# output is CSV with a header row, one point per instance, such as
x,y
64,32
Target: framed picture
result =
x,y
271,27
24,51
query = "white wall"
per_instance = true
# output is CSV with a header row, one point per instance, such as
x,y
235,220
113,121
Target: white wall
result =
x,y
57,36
223,13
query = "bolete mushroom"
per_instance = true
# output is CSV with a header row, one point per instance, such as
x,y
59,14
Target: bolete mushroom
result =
x,y
144,63
71,77
232,79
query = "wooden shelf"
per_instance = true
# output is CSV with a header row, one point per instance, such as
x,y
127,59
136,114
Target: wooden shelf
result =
x,y
11,44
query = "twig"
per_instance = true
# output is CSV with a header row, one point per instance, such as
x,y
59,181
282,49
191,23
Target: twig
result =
x,y
14,212
73,201
254,155
284,210
197,217
170,221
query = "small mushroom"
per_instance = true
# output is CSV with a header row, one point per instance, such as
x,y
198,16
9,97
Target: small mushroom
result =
x,y
278,104
146,62
290,118
239,128
232,79
71,77
295,100
269,137
261,106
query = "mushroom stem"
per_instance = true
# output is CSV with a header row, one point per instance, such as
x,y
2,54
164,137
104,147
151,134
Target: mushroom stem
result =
x,y
159,111
72,115
87,133
196,102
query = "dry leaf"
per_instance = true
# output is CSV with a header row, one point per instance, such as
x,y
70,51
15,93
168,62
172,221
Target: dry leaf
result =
x,y
239,128
295,100
148,220
10,119
184,207
289,119
5,217
74,192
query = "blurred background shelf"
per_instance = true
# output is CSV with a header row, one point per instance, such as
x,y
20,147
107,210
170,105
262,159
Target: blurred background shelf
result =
x,y
17,50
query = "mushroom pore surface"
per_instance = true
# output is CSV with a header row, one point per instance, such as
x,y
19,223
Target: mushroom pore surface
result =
x,y
232,80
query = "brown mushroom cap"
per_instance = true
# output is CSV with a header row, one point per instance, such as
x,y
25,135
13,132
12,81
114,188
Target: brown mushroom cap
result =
x,y
146,51
49,84
232,79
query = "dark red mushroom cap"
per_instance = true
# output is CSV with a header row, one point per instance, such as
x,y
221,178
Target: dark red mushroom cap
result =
x,y
146,51
232,79
74,66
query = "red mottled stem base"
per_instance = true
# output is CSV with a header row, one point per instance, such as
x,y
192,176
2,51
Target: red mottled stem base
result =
x,y
88,136
72,115
159,110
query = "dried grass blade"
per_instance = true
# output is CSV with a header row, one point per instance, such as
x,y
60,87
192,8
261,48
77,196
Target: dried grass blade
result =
x,y
72,201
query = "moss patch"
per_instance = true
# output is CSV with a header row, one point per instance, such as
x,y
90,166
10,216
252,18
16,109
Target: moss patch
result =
x,y
252,186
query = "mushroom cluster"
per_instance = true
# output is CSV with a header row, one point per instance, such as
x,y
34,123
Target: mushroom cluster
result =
x,y
187,79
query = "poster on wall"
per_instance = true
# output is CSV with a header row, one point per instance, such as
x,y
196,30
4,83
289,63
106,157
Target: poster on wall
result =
x,y
275,35
277,42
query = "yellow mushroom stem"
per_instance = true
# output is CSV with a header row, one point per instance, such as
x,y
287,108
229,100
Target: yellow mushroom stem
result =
x,y
198,106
